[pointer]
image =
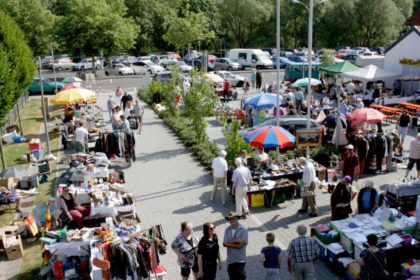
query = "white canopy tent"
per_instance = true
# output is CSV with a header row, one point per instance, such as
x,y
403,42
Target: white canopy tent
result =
x,y
370,73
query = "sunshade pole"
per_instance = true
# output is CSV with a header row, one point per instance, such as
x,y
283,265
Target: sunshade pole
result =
x,y
278,70
43,106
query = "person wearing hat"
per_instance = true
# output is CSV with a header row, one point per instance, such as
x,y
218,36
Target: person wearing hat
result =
x,y
241,181
414,156
219,171
359,103
235,240
349,187
350,163
368,199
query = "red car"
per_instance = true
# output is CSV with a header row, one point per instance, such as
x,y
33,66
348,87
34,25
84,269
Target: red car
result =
x,y
174,55
341,53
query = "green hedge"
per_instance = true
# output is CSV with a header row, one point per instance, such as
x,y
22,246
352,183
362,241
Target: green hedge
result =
x,y
205,151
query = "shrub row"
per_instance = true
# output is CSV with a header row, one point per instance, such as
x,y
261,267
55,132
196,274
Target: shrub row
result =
x,y
205,151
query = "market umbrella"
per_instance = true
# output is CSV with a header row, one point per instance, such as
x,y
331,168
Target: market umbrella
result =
x,y
262,101
270,137
339,68
72,80
69,87
72,96
366,115
304,82
14,172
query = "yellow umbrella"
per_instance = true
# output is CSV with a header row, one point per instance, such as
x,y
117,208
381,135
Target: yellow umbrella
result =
x,y
72,96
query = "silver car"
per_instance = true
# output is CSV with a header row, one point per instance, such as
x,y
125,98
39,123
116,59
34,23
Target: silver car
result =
x,y
227,64
119,69
234,80
183,67
144,67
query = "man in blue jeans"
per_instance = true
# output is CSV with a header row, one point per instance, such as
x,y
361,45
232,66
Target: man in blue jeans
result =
x,y
235,240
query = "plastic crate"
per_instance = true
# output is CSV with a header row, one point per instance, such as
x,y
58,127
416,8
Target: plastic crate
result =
x,y
326,239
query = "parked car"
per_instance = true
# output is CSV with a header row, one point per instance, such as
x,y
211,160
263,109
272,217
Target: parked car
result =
x,y
284,61
290,123
119,69
226,64
85,64
199,64
47,84
271,51
341,53
173,55
45,61
336,60
142,67
125,59
151,57
182,66
251,58
163,77
286,53
341,47
350,57
296,58
234,80
61,64
378,50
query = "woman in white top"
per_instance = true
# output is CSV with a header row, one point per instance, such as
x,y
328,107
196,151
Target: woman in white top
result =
x,y
128,108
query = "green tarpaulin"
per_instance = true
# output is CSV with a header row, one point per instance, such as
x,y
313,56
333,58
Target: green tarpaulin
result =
x,y
341,67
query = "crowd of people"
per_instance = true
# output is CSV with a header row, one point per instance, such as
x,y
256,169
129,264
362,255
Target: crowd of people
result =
x,y
125,115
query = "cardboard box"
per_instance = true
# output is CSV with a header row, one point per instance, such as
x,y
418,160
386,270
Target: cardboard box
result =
x,y
7,183
14,251
35,144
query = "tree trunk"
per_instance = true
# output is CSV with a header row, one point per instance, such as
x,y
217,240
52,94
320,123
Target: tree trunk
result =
x,y
3,161
20,121
93,65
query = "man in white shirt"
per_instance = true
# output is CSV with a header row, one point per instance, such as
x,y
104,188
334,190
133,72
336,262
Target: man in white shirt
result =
x,y
81,138
241,181
309,178
219,167
359,103
350,88
262,157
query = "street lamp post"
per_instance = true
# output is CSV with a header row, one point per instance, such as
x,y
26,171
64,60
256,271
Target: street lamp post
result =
x,y
310,10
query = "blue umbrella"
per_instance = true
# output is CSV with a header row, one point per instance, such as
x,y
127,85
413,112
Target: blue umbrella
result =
x,y
262,101
330,121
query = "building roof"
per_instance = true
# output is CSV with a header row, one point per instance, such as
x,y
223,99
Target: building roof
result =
x,y
415,29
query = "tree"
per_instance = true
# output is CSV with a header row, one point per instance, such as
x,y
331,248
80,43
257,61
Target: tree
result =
x,y
16,65
327,58
184,32
35,20
241,18
199,103
94,26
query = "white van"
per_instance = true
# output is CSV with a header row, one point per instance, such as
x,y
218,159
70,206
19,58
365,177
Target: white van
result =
x,y
364,60
251,58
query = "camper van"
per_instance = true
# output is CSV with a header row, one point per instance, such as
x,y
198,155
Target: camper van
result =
x,y
251,58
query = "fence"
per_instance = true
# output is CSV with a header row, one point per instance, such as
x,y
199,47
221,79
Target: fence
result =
x,y
12,116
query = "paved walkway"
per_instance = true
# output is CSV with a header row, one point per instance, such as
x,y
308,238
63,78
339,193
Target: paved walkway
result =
x,y
171,187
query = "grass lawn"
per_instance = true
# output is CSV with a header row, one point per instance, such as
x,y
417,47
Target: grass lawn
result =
x,y
31,122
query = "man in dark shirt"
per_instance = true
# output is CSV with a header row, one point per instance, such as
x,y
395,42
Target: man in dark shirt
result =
x,y
350,164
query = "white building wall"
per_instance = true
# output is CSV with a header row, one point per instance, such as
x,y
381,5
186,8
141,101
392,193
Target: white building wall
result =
x,y
409,48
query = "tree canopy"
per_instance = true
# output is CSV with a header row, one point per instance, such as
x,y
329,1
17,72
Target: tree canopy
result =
x,y
16,64
91,27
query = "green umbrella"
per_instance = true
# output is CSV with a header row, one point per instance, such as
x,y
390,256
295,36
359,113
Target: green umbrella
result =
x,y
341,67
304,82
